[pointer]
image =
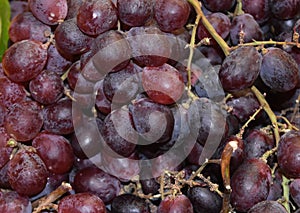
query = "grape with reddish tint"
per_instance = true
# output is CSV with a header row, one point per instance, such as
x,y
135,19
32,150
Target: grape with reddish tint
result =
x,y
128,203
220,22
171,15
24,120
278,70
70,41
259,9
204,200
30,27
243,105
96,181
141,40
134,13
275,192
154,122
88,69
295,191
56,63
180,203
257,143
27,173
11,92
288,154
250,184
18,7
5,151
163,84
81,202
102,103
122,86
24,60
246,25
111,52
49,12
11,201
118,132
4,183
218,5
232,72
58,117
96,16
285,9
55,151
47,87
268,207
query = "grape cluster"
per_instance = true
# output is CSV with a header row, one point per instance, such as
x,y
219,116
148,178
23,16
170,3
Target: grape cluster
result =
x,y
147,106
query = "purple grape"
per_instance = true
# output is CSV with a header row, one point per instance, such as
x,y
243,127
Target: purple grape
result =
x,y
128,203
295,191
11,201
180,203
268,207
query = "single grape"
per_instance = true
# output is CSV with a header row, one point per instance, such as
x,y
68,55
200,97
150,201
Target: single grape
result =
x,y
55,151
11,201
278,70
180,203
49,12
102,102
244,27
128,203
81,202
88,69
24,60
27,173
96,181
4,183
47,87
295,191
250,184
276,190
58,117
220,22
24,120
73,7
288,154
135,13
18,7
149,186
163,84
285,9
5,151
232,72
268,207
30,27
259,9
218,5
171,15
96,16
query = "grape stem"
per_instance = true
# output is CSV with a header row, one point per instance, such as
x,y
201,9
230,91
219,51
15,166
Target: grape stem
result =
x,y
286,192
270,42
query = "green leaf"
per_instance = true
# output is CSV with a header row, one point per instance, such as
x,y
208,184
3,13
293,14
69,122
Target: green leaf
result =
x,y
4,25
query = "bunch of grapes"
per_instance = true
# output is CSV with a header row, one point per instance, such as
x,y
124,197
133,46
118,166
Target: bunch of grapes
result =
x,y
145,106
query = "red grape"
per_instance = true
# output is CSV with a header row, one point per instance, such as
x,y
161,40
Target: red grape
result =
x,y
128,203
171,204
268,207
11,201
11,92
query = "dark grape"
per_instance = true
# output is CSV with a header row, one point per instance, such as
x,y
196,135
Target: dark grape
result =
x,y
149,186
5,151
278,70
163,84
154,122
244,24
96,181
30,27
285,9
96,16
4,183
268,207
81,202
128,203
204,200
171,204
171,15
118,132
58,117
135,13
56,62
73,7
55,151
47,87
220,22
232,72
88,69
70,41
141,40
49,12
122,86
27,173
275,192
102,103
218,5
18,7
24,60
288,154
259,9
24,120
11,92
295,191
11,201
250,184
